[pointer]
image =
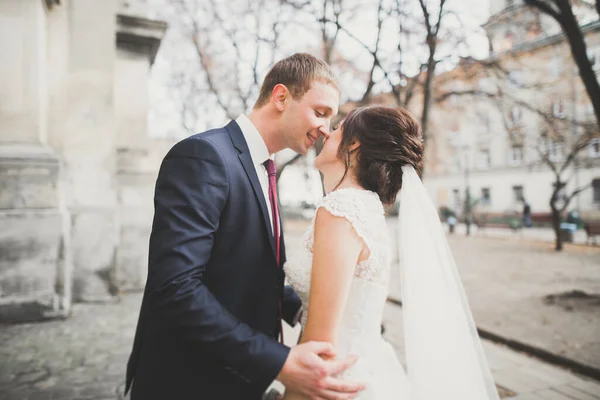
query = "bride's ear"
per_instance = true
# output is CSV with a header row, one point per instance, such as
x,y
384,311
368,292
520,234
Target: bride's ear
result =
x,y
353,146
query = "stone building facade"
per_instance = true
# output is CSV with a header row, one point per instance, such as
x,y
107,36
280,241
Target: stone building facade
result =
x,y
77,168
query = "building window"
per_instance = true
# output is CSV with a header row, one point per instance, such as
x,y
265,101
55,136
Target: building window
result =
x,y
558,109
555,67
594,57
484,119
506,43
484,159
596,190
514,117
533,30
555,149
517,193
516,155
486,198
594,148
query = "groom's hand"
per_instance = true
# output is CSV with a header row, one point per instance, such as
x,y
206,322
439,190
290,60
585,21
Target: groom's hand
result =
x,y
307,373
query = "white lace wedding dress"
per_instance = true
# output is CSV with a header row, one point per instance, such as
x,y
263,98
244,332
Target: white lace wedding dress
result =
x,y
360,332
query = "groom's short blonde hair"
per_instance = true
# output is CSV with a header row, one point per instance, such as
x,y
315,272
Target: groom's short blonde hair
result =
x,y
297,72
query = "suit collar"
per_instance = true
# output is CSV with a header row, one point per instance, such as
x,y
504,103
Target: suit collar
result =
x,y
256,143
237,137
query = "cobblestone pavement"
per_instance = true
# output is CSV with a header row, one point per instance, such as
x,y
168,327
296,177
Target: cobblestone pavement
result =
x,y
81,358
84,358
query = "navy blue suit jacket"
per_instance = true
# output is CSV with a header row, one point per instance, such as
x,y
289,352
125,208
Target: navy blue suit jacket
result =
x,y
209,318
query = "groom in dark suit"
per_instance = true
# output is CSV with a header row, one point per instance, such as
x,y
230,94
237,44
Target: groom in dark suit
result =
x,y
215,294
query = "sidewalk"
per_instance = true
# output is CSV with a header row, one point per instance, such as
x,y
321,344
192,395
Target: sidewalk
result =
x,y
84,358
532,234
517,376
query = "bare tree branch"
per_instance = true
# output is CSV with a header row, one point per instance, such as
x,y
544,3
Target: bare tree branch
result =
x,y
562,12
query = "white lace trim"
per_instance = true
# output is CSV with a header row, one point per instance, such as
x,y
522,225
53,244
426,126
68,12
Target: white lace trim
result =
x,y
364,210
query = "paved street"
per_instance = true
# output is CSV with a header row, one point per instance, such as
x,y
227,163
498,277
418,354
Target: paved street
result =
x,y
524,290
517,376
81,358
84,358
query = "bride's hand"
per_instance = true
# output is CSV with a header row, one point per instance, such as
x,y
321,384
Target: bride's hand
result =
x,y
307,373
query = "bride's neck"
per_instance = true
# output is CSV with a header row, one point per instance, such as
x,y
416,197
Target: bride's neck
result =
x,y
331,181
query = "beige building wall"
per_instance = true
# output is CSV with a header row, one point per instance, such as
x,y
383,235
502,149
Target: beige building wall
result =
x,y
485,135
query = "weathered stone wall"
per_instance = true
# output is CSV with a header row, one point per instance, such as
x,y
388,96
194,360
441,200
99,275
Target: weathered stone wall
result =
x,y
77,169
138,156
32,216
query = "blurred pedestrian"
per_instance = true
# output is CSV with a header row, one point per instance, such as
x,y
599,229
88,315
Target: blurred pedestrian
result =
x,y
526,214
451,220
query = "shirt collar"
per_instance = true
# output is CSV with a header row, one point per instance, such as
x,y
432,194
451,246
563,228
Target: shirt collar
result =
x,y
256,144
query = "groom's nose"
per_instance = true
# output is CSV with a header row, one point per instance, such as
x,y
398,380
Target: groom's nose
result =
x,y
324,131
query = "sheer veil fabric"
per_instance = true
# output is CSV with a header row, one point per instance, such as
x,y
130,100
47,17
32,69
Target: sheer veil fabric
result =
x,y
444,354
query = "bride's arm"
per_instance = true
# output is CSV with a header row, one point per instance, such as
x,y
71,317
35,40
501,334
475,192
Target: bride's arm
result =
x,y
336,250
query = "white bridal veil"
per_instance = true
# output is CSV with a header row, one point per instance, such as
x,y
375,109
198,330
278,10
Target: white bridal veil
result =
x,y
444,354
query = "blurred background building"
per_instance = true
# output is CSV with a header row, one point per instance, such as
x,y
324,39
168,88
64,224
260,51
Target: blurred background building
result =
x,y
77,167
505,124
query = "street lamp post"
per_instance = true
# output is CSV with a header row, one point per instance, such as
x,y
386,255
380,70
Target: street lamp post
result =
x,y
467,206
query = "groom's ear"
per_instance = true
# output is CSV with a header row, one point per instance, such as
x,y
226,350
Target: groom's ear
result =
x,y
279,96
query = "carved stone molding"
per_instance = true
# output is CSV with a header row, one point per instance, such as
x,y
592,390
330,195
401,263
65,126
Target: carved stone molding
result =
x,y
140,34
52,3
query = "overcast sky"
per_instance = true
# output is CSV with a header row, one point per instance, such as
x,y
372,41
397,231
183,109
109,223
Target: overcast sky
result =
x,y
164,112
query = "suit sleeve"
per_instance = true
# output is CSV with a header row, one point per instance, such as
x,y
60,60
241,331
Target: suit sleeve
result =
x,y
191,192
291,305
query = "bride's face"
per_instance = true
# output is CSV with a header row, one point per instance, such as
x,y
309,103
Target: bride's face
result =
x,y
328,157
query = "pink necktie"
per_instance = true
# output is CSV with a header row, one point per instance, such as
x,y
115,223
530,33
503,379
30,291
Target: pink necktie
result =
x,y
270,166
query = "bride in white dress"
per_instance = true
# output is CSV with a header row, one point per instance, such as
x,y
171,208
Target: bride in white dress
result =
x,y
342,272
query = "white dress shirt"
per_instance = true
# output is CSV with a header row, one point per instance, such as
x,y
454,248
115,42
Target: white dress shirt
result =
x,y
259,154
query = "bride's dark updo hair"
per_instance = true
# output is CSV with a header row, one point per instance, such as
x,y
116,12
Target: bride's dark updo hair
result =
x,y
388,138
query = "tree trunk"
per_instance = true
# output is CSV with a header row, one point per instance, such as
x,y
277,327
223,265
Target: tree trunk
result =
x,y
558,244
468,211
566,19
558,185
578,49
427,89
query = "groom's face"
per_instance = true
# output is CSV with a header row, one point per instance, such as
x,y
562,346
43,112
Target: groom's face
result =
x,y
307,119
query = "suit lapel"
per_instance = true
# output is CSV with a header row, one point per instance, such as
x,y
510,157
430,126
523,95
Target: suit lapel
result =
x,y
240,143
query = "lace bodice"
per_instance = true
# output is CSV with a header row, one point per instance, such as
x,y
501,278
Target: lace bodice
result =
x,y
360,329
364,211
